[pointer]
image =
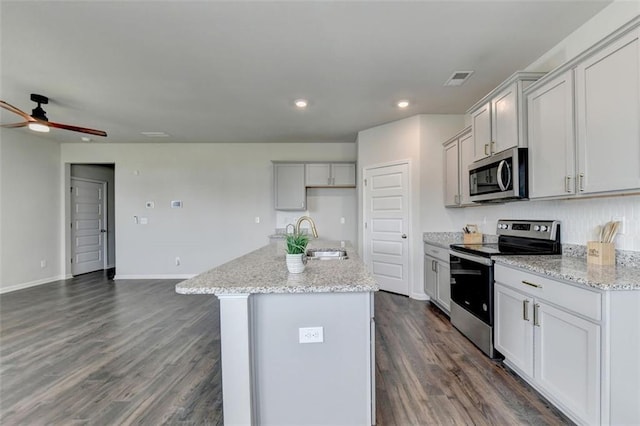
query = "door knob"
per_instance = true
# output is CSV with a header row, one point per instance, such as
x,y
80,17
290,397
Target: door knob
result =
x,y
404,236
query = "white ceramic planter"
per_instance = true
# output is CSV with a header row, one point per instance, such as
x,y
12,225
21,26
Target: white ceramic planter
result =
x,y
296,263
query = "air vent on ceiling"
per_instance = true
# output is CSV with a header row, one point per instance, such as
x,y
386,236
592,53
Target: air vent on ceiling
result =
x,y
458,78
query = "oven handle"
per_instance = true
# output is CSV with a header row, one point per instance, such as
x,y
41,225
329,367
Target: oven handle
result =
x,y
502,186
472,258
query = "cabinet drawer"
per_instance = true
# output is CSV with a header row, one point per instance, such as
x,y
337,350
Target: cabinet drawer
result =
x,y
579,300
437,252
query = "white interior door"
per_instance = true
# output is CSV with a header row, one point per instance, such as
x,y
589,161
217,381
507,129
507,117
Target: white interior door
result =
x,y
386,223
88,227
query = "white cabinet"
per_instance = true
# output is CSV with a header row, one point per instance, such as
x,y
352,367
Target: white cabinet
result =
x,y
550,333
458,155
289,189
598,95
608,111
437,276
330,174
497,120
551,138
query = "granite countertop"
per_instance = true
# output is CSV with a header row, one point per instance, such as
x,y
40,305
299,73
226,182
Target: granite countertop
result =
x,y
442,239
576,270
265,271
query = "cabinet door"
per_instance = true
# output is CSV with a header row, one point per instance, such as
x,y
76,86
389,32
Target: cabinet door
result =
x,y
343,174
290,192
430,276
443,285
317,174
608,107
481,131
551,140
567,354
513,327
451,175
465,148
504,120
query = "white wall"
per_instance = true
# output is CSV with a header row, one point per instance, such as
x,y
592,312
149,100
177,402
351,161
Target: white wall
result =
x,y
417,139
31,219
223,188
608,20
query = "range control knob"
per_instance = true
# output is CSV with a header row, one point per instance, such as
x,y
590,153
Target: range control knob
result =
x,y
536,227
543,228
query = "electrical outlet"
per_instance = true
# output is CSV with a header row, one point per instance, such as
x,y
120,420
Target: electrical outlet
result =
x,y
342,220
257,219
43,263
621,227
177,261
311,334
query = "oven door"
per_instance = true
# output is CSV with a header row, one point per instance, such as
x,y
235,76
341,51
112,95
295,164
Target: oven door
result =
x,y
472,284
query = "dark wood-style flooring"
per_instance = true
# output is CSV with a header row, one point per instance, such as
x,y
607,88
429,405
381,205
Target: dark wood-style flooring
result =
x,y
94,351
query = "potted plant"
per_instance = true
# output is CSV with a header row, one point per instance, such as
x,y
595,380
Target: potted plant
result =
x,y
296,256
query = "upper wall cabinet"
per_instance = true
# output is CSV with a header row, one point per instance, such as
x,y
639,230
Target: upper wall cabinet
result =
x,y
330,174
604,153
458,155
290,192
497,120
608,117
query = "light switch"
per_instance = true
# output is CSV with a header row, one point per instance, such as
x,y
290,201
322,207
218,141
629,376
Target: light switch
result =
x,y
176,204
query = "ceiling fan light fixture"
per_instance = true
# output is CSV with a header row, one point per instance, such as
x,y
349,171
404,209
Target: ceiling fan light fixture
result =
x,y
38,127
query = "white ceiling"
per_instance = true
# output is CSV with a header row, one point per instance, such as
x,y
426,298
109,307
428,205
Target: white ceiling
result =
x,y
205,71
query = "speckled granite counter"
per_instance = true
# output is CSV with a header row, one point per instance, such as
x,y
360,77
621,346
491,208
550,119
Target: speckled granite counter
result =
x,y
445,239
576,270
265,271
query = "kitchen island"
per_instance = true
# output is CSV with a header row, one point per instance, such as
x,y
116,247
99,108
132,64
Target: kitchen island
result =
x,y
268,375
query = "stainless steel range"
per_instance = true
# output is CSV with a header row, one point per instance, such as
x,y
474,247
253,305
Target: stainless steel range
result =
x,y
472,274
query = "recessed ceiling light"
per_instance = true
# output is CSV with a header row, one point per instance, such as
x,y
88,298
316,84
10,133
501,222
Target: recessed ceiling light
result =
x,y
86,139
38,127
403,104
155,134
458,78
301,103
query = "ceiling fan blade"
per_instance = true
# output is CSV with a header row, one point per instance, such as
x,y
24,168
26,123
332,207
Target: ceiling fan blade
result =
x,y
15,110
14,125
77,129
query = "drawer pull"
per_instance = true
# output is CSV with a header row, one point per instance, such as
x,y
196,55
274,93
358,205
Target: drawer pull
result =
x,y
525,310
531,284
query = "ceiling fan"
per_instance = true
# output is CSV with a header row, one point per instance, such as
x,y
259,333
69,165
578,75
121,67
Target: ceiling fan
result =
x,y
38,120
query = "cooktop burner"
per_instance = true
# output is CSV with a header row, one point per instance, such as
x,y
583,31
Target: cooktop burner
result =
x,y
519,237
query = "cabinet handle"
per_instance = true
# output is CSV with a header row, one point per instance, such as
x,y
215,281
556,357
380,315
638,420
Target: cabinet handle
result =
x,y
433,265
493,146
525,310
486,147
567,183
536,321
436,267
581,182
531,284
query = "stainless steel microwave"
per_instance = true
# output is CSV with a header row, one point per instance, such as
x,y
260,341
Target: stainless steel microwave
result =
x,y
501,177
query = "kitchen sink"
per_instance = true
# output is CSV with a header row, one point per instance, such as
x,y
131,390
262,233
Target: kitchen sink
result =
x,y
327,254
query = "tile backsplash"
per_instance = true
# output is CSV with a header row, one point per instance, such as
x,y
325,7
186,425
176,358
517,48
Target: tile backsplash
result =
x,y
580,218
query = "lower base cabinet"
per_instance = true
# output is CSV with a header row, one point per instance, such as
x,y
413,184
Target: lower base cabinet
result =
x,y
568,342
437,276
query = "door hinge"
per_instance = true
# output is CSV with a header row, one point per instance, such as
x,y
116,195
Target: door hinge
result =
x,y
365,182
72,260
365,225
71,190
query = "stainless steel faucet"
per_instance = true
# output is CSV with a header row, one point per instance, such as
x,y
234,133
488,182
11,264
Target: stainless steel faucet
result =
x,y
313,225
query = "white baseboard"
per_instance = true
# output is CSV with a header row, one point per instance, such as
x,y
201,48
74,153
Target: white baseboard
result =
x,y
154,277
32,283
420,296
